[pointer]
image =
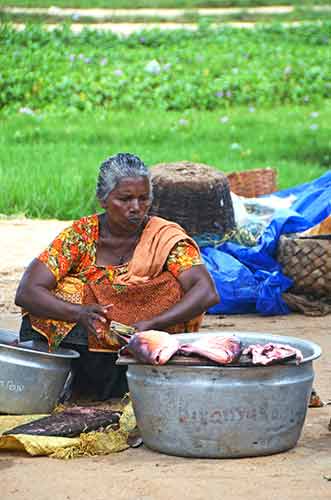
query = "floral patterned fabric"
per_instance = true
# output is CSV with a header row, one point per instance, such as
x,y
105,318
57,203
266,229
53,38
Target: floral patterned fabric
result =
x,y
71,258
74,252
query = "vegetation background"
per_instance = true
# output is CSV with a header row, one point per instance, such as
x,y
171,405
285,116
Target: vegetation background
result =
x,y
229,97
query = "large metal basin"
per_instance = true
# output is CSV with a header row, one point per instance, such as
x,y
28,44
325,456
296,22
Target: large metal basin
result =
x,y
218,412
31,379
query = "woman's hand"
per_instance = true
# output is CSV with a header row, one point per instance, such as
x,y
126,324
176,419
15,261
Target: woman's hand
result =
x,y
94,318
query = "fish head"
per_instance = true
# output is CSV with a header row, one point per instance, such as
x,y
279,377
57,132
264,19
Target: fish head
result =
x,y
152,347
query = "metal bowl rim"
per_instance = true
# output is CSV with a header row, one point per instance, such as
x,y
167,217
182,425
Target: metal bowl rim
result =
x,y
67,354
70,353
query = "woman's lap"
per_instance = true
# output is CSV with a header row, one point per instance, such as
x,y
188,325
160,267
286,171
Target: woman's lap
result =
x,y
95,374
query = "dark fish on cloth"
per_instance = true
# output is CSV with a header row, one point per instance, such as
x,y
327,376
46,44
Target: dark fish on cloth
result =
x,y
270,353
152,347
69,423
222,350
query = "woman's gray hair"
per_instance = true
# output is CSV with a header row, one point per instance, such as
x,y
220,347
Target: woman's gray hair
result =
x,y
116,168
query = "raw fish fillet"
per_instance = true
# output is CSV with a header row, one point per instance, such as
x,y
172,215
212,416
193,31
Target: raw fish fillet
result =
x,y
152,347
223,350
268,353
69,423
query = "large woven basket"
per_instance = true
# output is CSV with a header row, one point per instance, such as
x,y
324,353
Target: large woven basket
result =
x,y
194,195
253,183
307,260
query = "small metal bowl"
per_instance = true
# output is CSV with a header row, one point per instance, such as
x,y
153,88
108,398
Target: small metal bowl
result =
x,y
31,378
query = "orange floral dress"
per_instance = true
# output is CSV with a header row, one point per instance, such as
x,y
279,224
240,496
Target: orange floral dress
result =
x,y
71,257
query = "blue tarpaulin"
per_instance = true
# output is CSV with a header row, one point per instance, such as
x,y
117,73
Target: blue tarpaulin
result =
x,y
249,279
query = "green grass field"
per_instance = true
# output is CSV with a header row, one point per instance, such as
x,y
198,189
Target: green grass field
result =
x,y
48,165
125,4
233,99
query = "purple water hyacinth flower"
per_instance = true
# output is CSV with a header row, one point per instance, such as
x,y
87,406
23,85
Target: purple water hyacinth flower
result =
x,y
142,39
228,93
103,61
153,67
182,122
314,114
72,57
87,60
224,119
118,72
219,93
313,126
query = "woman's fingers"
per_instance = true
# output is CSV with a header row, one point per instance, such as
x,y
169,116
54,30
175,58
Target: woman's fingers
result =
x,y
94,327
104,311
95,317
107,310
97,313
97,325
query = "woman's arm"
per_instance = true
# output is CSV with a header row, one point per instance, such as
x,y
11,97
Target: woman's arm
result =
x,y
35,295
199,294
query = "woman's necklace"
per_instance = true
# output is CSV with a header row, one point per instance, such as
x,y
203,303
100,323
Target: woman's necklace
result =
x,y
122,258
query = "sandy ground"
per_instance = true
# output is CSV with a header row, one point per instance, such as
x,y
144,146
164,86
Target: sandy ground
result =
x,y
172,17
127,28
165,13
145,475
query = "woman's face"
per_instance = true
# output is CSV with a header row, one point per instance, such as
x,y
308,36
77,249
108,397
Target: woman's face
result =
x,y
128,203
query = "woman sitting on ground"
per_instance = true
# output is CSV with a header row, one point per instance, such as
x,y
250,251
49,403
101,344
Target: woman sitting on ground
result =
x,y
119,265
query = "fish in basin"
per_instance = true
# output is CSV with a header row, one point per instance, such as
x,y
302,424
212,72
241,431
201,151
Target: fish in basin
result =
x,y
221,349
270,353
152,347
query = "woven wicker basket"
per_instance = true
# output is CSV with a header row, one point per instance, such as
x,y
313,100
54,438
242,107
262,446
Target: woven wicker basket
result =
x,y
253,183
307,260
194,195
